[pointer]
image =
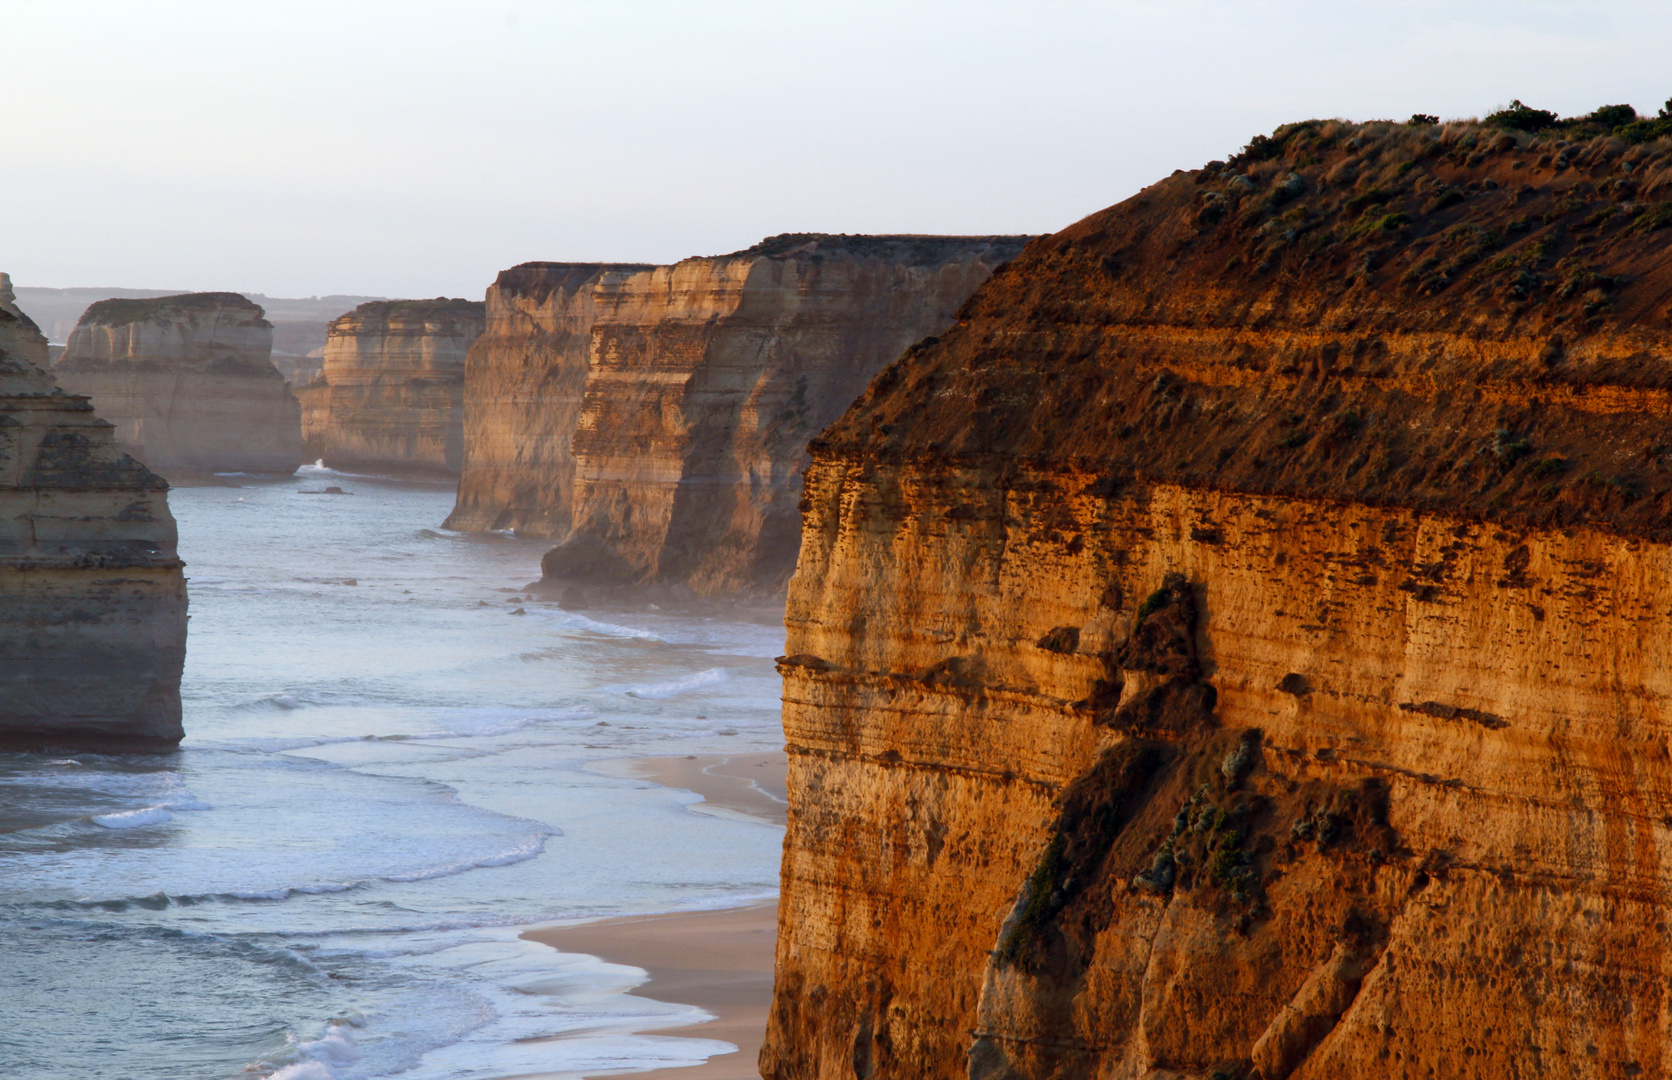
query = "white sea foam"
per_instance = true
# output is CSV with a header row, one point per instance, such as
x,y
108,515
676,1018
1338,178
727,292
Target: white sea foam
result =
x,y
661,691
304,1070
134,819
581,622
524,851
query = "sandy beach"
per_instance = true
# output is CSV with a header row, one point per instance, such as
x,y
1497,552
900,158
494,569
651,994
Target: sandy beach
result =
x,y
720,961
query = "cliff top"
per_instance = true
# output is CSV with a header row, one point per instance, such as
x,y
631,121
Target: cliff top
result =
x,y
1469,317
538,280
122,312
898,247
439,308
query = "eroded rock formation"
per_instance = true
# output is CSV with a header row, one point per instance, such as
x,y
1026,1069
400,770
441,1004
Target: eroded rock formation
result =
x,y
92,598
1240,647
188,382
391,395
670,406
526,376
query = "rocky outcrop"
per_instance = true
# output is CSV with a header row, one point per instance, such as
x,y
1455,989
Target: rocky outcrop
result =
x,y
658,427
92,598
1236,648
391,395
188,382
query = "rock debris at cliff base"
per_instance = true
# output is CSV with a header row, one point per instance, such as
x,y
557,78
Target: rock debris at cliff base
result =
x,y
1238,646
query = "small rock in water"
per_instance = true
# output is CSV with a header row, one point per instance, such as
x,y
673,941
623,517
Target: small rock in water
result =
x,y
351,581
519,611
483,603
335,491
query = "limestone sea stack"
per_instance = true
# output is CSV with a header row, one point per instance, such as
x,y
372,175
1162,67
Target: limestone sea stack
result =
x,y
92,597
188,382
391,395
701,383
1242,645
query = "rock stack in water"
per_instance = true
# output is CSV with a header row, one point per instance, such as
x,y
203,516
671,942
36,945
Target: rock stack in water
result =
x,y
92,599
189,383
1242,646
671,405
391,395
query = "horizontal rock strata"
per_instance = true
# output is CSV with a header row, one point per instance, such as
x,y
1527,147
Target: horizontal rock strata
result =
x,y
92,597
524,380
654,418
1236,648
390,397
188,382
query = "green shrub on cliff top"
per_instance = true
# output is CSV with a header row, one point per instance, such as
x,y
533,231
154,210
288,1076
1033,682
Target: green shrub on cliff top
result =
x,y
1519,117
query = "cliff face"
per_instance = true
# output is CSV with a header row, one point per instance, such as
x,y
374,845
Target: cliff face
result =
x,y
655,418
1236,649
706,379
391,394
92,599
526,376
188,383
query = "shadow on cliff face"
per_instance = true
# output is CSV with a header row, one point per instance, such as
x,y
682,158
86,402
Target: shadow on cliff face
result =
x,y
1158,892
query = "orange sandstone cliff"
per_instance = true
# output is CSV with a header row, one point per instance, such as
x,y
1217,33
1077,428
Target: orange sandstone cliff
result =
x,y
707,378
524,380
655,419
390,396
1242,645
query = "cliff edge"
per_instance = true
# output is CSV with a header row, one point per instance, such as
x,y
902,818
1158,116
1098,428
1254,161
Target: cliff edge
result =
x,y
189,383
92,597
1239,646
390,396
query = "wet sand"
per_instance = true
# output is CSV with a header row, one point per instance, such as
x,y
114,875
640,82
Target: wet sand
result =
x,y
719,961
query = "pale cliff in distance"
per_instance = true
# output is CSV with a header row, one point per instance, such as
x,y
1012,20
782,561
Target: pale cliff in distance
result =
x,y
189,383
391,395
1239,647
673,404
92,594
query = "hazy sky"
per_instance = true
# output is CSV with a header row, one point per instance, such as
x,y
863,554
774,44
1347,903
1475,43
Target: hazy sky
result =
x,y
416,148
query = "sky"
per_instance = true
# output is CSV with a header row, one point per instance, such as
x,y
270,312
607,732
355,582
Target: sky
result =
x,y
416,148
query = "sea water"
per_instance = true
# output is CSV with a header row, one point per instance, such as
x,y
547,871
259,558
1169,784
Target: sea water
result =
x,y
384,782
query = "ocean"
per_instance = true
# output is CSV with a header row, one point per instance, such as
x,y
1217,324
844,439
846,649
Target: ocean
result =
x,y
385,780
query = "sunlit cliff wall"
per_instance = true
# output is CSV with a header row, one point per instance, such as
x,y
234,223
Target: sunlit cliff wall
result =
x,y
706,379
1242,646
525,377
391,395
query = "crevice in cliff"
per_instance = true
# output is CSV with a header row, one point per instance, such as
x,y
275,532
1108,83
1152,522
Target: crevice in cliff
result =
x,y
1178,822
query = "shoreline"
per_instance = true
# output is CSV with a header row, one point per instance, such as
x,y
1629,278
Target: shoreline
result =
x,y
720,961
